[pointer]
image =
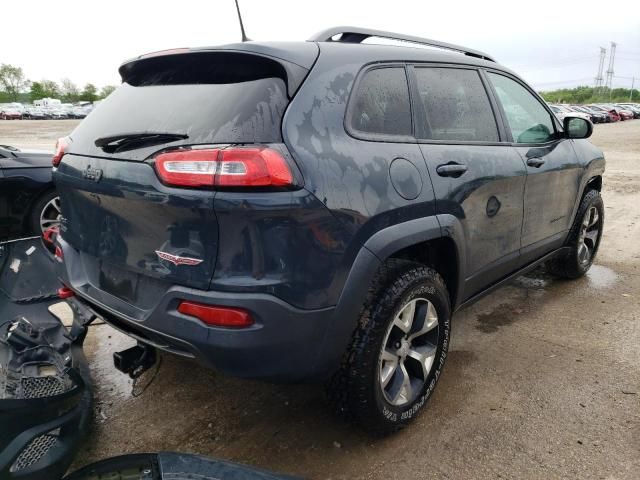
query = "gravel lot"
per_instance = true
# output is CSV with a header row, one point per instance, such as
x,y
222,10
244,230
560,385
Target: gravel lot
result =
x,y
542,380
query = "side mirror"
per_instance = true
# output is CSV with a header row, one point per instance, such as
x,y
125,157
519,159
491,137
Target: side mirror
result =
x,y
577,127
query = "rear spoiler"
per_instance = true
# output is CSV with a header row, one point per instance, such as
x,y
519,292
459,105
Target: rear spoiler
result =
x,y
290,61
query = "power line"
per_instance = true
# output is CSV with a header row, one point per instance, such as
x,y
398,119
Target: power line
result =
x,y
599,78
612,58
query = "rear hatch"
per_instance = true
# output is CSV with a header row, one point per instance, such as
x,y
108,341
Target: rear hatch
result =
x,y
132,236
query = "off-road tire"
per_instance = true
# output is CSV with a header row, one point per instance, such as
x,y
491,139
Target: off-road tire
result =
x,y
355,390
568,265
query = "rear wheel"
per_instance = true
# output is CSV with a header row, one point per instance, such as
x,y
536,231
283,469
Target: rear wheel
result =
x,y
398,350
584,239
46,213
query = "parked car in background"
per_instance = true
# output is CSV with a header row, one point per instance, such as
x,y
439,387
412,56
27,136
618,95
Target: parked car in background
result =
x,y
628,110
563,111
29,203
57,113
34,113
623,113
635,108
8,112
593,116
559,112
603,116
611,113
324,210
80,111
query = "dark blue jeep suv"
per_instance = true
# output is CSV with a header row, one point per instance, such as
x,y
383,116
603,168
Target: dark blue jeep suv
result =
x,y
320,209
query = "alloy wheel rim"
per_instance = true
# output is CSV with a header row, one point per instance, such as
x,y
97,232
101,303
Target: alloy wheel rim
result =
x,y
589,235
50,214
408,352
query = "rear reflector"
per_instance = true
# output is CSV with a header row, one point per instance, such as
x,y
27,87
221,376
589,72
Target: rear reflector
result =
x,y
231,167
217,316
61,148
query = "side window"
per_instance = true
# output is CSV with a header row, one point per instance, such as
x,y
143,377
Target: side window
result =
x,y
456,106
381,103
529,121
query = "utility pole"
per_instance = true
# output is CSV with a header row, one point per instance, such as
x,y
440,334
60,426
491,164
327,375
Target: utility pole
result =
x,y
612,57
633,81
599,77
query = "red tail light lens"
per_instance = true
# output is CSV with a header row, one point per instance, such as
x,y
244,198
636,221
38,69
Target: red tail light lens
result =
x,y
231,167
65,292
217,316
61,147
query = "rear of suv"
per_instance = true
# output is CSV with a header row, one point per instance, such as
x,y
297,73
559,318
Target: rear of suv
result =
x,y
318,210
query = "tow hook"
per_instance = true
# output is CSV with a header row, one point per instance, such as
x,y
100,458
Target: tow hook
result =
x,y
136,360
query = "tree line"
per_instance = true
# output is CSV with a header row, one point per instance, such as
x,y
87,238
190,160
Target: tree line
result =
x,y
584,94
15,87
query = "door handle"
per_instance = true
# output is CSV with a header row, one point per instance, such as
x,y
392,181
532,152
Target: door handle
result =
x,y
535,162
451,169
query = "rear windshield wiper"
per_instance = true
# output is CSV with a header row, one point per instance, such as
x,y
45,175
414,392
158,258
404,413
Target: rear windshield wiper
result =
x,y
132,141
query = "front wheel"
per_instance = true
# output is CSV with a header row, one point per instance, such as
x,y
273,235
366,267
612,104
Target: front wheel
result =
x,y
398,350
584,239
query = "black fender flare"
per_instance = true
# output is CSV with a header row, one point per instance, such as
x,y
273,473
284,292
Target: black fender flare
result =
x,y
594,169
380,246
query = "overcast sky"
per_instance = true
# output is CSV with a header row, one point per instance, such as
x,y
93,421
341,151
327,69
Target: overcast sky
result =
x,y
551,43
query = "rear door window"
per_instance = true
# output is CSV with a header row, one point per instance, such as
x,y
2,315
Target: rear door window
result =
x,y
380,107
455,105
527,118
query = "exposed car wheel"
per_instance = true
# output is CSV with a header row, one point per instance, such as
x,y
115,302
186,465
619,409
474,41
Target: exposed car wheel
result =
x,y
46,213
584,239
398,350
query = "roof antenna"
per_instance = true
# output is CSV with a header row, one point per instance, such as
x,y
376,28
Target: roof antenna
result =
x,y
244,35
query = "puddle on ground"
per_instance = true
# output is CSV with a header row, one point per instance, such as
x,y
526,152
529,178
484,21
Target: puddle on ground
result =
x,y
102,341
601,277
536,279
503,314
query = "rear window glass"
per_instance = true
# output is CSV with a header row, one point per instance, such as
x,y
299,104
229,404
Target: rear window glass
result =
x,y
381,103
222,105
456,106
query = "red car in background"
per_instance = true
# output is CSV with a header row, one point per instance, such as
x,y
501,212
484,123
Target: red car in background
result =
x,y
611,112
9,113
625,114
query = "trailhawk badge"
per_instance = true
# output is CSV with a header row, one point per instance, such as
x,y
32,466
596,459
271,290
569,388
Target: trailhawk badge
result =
x,y
177,260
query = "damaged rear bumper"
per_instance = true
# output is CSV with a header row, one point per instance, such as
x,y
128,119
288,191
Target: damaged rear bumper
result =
x,y
45,386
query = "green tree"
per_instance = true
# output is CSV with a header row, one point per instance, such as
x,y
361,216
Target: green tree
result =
x,y
89,93
107,90
44,89
585,94
50,88
12,80
36,91
69,90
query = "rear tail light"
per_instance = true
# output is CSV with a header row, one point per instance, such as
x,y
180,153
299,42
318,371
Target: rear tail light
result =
x,y
217,316
257,166
59,254
65,292
61,149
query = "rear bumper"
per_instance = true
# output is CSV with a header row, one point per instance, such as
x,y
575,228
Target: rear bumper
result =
x,y
285,343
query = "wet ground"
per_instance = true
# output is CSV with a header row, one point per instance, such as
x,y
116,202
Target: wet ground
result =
x,y
542,381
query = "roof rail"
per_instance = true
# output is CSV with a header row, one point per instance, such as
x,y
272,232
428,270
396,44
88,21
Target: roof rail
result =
x,y
358,35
